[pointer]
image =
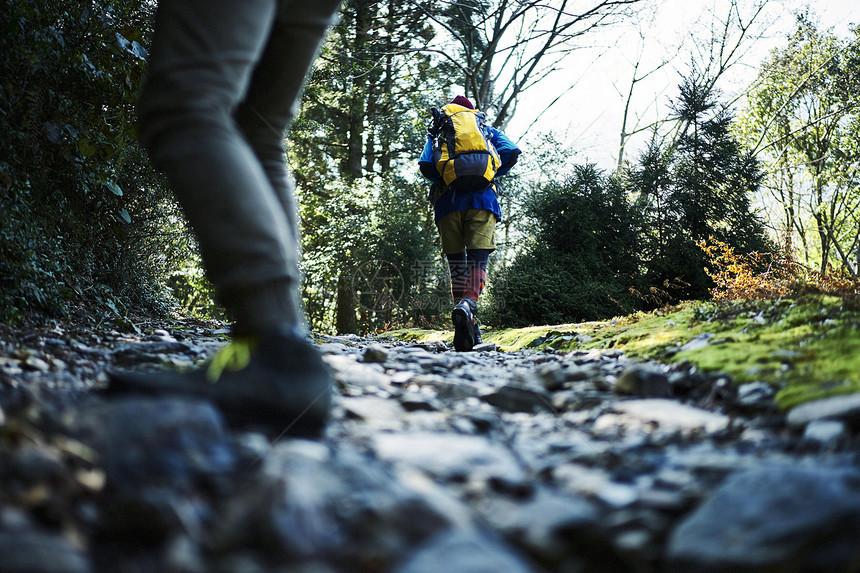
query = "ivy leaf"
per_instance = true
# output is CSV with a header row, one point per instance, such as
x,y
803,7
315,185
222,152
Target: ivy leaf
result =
x,y
114,188
133,47
122,41
86,147
138,50
130,33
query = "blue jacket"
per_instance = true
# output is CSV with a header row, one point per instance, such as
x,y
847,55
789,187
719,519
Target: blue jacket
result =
x,y
449,202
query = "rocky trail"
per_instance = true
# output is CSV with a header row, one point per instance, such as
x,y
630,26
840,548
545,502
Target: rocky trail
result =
x,y
434,461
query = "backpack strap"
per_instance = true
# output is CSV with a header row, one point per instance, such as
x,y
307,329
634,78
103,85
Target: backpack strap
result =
x,y
436,119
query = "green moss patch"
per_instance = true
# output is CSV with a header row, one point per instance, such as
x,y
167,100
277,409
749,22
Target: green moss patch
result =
x,y
419,335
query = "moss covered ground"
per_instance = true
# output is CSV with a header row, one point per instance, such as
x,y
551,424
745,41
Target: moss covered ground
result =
x,y
806,348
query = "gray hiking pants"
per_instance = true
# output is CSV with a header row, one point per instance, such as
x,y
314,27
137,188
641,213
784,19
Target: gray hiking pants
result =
x,y
223,80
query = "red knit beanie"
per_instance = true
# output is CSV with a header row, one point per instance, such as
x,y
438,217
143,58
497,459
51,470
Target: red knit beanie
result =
x,y
460,100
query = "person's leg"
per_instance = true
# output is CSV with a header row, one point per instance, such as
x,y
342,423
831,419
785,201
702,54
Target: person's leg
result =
x,y
457,265
452,233
453,246
479,240
476,273
270,103
202,63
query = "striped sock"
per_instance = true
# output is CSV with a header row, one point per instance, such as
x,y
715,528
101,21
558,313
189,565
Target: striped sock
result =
x,y
476,264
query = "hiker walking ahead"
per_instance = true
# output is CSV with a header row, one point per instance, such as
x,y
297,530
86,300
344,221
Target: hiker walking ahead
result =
x,y
462,157
222,83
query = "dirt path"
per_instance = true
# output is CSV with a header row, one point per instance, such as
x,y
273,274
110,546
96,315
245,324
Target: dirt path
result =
x,y
434,460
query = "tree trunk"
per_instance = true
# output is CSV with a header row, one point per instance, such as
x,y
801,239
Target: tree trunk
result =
x,y
345,322
355,149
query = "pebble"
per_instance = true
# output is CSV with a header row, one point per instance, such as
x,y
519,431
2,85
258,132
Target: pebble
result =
x,y
37,552
375,353
645,381
664,414
775,519
825,432
465,552
835,407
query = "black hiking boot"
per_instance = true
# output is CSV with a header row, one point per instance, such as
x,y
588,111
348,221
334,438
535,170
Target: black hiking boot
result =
x,y
466,331
277,383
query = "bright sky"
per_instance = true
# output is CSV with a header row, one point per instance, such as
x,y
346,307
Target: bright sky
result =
x,y
588,118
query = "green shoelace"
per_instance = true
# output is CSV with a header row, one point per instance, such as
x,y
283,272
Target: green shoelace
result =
x,y
233,357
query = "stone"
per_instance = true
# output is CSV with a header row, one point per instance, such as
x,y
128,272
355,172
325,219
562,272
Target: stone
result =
x,y
182,555
375,353
699,342
603,486
159,456
666,414
34,552
379,412
149,352
164,443
825,432
420,402
485,347
434,346
348,371
447,389
338,507
449,456
37,364
775,519
33,464
836,407
332,348
580,372
756,394
552,376
647,381
465,552
516,397
547,523
594,483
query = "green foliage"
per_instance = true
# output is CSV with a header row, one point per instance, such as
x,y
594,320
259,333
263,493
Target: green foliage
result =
x,y
406,237
802,121
194,293
698,188
376,243
581,262
85,218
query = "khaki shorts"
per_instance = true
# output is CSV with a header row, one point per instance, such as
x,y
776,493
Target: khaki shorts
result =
x,y
465,230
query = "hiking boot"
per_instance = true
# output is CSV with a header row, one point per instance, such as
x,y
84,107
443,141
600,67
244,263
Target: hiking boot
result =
x,y
276,382
466,331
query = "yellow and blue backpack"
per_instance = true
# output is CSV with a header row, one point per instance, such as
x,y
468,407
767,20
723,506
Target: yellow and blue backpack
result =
x,y
463,154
